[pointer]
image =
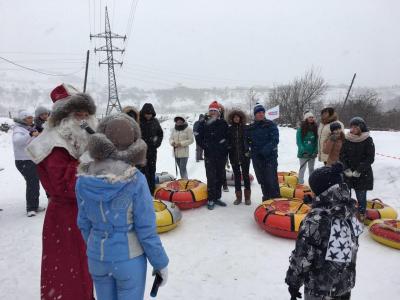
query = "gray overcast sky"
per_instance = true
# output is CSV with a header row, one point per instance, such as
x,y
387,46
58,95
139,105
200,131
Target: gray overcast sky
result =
x,y
211,42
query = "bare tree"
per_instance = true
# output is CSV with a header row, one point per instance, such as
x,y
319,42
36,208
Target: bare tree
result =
x,y
297,97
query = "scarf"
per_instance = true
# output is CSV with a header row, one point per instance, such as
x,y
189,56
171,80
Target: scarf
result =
x,y
357,138
181,127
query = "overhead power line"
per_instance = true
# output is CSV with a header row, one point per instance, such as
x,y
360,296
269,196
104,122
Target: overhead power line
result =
x,y
39,71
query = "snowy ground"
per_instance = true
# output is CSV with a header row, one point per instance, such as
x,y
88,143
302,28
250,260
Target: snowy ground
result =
x,y
220,254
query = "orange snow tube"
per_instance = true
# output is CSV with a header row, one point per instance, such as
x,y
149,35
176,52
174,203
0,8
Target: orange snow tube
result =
x,y
386,232
376,209
297,191
290,178
186,194
281,216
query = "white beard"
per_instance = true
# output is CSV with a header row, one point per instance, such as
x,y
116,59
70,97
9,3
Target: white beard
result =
x,y
73,134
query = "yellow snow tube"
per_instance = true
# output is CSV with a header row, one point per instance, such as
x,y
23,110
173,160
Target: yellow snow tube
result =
x,y
386,232
296,191
168,215
376,209
290,178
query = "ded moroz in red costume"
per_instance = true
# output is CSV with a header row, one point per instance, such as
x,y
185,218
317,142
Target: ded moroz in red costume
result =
x,y
64,272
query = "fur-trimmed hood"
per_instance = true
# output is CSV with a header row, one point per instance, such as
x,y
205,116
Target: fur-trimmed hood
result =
x,y
63,107
132,112
330,119
100,146
240,113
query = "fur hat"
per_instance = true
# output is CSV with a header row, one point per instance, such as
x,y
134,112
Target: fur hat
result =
x,y
329,110
257,108
323,178
214,106
41,110
66,100
359,122
118,137
237,112
334,126
307,115
23,114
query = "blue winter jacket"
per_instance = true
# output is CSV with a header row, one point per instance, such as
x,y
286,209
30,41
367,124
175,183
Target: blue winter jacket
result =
x,y
262,138
117,219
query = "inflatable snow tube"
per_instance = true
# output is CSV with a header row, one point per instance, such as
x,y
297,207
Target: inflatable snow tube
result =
x,y
281,216
386,232
186,194
297,191
290,178
230,178
168,215
163,177
376,209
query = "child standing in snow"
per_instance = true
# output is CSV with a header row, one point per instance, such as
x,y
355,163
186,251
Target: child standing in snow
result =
x,y
324,259
116,214
333,144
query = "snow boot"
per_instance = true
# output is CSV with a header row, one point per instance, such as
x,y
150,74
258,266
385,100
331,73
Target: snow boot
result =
x,y
220,202
247,196
238,198
31,213
210,205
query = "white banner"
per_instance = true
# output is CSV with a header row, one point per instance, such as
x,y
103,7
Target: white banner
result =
x,y
272,113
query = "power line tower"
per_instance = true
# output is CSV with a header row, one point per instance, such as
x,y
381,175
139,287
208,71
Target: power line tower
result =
x,y
113,100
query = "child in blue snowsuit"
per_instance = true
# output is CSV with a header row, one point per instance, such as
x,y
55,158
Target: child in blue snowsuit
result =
x,y
116,214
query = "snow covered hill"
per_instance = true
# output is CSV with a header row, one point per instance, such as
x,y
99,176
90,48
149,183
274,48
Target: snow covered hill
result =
x,y
219,254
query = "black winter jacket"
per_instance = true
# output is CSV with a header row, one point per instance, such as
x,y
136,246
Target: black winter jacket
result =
x,y
324,259
238,151
212,137
152,132
359,156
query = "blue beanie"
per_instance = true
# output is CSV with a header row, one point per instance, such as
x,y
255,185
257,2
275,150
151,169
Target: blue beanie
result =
x,y
258,107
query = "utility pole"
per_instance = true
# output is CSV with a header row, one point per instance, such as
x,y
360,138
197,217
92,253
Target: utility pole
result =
x,y
113,100
348,91
86,71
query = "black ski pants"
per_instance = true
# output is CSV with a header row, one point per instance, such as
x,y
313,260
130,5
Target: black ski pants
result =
x,y
215,172
28,169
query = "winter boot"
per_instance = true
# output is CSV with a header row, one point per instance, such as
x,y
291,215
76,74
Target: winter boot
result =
x,y
220,202
247,196
238,198
210,205
31,213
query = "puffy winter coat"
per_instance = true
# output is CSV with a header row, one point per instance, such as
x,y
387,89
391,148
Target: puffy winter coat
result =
x,y
332,147
212,137
238,150
359,155
116,216
262,138
21,139
324,259
307,147
152,132
184,136
324,131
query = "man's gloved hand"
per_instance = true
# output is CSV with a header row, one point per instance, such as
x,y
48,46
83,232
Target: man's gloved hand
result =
x,y
247,154
294,293
348,173
356,174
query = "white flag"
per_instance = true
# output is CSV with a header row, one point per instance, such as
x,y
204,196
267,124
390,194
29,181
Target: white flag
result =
x,y
272,113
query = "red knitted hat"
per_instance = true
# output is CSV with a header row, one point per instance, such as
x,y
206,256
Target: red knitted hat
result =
x,y
63,91
214,106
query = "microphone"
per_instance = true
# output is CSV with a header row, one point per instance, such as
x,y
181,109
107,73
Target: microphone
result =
x,y
84,125
156,284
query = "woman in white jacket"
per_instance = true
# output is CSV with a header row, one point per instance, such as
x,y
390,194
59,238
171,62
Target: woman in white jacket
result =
x,y
180,139
23,134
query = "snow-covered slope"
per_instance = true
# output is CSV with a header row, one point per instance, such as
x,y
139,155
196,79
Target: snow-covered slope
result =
x,y
220,254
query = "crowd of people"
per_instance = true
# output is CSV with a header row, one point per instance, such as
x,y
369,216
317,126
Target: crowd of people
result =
x,y
112,196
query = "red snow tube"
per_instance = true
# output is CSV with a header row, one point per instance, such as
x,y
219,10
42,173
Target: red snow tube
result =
x,y
186,194
386,232
281,217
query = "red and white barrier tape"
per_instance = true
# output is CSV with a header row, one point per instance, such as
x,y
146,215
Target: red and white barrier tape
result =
x,y
394,157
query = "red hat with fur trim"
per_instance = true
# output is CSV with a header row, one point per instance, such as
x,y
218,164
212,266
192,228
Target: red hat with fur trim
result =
x,y
214,106
63,91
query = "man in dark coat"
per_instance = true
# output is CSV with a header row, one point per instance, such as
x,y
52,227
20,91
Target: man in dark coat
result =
x,y
239,154
324,259
357,155
263,138
152,134
212,137
199,150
